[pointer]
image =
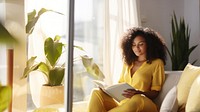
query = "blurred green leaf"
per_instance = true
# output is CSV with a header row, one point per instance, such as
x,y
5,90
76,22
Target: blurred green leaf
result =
x,y
78,47
92,68
5,36
30,67
5,97
56,76
44,68
53,50
33,18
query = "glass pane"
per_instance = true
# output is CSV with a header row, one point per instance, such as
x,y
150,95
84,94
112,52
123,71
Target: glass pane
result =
x,y
89,34
50,21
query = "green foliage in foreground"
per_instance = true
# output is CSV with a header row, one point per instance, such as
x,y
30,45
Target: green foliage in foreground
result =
x,y
5,97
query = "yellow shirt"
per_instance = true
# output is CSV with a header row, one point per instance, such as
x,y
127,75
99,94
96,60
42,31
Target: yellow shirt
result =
x,y
147,77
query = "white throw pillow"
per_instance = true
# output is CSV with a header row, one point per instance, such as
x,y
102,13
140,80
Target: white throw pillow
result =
x,y
193,101
170,103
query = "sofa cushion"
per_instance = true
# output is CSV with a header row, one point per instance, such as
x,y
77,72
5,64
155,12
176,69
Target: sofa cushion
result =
x,y
189,74
170,103
193,102
171,79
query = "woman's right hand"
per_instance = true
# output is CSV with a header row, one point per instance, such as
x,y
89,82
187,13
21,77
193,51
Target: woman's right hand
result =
x,y
130,92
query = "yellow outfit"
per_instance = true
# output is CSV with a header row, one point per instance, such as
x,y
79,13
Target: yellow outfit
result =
x,y
148,77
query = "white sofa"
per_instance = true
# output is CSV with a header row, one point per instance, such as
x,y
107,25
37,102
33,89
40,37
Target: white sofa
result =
x,y
172,78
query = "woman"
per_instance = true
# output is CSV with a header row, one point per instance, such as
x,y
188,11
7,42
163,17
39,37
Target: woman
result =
x,y
144,57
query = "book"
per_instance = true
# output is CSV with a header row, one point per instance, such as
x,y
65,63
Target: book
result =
x,y
115,91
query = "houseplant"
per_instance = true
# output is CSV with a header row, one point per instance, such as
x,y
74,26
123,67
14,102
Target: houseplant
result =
x,y
53,72
37,82
88,63
91,68
180,50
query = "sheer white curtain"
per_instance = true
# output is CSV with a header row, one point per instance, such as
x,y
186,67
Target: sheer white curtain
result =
x,y
119,15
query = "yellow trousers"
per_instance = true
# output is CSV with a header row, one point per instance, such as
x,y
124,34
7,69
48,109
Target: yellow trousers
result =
x,y
101,102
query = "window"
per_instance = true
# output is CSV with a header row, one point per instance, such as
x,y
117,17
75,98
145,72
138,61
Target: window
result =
x,y
89,34
99,40
49,24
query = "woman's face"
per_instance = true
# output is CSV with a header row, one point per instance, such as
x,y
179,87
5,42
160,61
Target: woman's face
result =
x,y
139,46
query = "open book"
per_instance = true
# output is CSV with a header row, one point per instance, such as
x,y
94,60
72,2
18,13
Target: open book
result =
x,y
115,91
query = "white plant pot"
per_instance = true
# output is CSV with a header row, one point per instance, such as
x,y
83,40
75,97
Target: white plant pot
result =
x,y
50,95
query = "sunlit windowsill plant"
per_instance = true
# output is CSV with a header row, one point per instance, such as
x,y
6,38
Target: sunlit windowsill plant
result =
x,y
91,68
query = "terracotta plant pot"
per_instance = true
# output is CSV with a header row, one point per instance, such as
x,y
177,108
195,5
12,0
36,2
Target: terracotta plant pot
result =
x,y
51,95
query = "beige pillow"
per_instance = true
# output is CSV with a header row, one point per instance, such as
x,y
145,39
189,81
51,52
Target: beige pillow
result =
x,y
189,74
170,103
193,101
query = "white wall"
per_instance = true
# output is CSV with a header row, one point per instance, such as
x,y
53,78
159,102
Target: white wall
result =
x,y
157,14
2,48
191,15
2,10
15,24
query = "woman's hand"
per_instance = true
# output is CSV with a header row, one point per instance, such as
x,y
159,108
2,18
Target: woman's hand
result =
x,y
130,92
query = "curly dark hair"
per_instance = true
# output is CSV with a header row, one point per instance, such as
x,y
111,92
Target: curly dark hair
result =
x,y
155,45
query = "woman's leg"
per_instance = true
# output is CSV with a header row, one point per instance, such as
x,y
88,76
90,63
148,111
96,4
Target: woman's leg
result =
x,y
100,102
138,103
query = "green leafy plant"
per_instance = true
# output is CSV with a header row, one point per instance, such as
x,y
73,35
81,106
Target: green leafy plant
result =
x,y
54,73
33,18
180,50
5,97
92,68
53,51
